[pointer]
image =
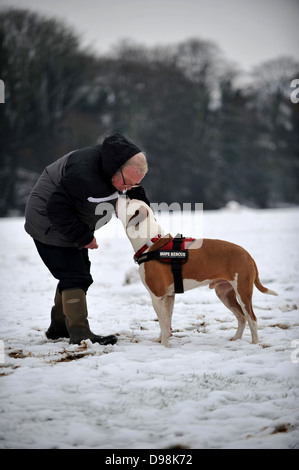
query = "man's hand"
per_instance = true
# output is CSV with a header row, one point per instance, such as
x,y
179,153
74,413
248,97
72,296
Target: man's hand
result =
x,y
92,245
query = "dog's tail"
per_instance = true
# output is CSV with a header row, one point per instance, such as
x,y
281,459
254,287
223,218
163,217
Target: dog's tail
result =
x,y
259,285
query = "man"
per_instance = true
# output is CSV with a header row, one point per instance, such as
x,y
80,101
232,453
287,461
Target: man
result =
x,y
61,218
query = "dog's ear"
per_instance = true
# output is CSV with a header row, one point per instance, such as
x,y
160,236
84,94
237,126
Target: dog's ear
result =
x,y
140,214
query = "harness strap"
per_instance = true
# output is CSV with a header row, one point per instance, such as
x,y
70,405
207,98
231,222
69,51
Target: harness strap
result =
x,y
176,257
146,247
164,256
176,267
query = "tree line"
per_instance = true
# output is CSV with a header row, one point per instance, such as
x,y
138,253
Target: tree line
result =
x,y
210,134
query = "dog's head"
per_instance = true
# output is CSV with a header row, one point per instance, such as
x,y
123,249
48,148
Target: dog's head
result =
x,y
131,212
137,218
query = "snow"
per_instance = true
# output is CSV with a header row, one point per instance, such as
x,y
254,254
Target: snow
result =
x,y
202,392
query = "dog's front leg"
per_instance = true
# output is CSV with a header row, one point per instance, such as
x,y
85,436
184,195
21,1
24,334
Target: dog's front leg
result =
x,y
162,308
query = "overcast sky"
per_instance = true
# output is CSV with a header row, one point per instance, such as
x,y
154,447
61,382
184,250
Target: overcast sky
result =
x,y
248,31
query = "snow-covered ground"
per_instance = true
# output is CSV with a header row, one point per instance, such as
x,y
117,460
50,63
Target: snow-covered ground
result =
x,y
202,392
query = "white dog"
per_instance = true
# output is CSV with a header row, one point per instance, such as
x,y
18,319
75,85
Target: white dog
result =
x,y
222,265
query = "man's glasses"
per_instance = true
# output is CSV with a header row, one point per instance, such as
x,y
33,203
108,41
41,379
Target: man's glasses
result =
x,y
126,184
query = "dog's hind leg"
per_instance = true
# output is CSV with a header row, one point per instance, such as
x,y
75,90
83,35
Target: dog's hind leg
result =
x,y
244,296
226,294
164,307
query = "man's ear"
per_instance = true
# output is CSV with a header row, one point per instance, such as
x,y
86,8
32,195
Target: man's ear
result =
x,y
140,214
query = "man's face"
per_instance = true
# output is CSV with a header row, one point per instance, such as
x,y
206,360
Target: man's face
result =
x,y
126,178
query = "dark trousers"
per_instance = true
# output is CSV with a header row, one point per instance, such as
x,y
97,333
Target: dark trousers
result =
x,y
71,266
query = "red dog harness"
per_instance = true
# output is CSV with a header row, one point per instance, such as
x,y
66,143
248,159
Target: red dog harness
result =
x,y
175,251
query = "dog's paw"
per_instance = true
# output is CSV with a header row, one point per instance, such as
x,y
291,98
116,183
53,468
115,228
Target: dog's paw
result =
x,y
165,342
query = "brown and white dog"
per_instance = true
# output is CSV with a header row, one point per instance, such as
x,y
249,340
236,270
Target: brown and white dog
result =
x,y
224,266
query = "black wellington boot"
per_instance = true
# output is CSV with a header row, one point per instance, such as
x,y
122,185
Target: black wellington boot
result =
x,y
75,310
57,328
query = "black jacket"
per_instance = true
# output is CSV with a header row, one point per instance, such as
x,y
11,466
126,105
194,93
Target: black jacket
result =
x,y
63,207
